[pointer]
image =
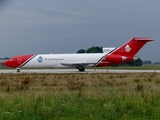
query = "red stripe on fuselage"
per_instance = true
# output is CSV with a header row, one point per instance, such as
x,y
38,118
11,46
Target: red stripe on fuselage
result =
x,y
17,61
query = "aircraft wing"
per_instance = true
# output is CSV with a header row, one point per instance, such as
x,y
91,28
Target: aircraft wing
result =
x,y
81,64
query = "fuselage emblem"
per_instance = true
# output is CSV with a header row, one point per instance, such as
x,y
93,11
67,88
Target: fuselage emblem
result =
x,y
127,48
40,59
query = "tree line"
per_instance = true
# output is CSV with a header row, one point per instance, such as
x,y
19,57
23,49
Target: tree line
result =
x,y
97,49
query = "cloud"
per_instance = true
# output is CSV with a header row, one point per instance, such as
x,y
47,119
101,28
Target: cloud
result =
x,y
71,12
32,17
3,2
83,23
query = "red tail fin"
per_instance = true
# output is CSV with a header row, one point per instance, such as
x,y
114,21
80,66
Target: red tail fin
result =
x,y
132,46
125,53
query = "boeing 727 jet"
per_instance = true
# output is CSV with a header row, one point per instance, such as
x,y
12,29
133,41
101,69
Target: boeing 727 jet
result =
x,y
125,53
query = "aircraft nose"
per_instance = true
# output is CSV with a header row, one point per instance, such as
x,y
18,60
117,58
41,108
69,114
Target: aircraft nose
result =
x,y
11,63
6,63
17,61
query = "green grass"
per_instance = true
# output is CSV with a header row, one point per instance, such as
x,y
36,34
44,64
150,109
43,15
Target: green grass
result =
x,y
87,96
71,106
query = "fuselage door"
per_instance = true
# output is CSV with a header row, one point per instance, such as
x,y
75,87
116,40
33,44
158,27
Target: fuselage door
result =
x,y
19,59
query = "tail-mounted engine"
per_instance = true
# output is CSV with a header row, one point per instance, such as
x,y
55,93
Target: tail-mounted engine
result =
x,y
119,58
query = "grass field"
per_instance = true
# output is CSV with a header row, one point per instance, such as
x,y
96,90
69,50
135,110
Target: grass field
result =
x,y
87,96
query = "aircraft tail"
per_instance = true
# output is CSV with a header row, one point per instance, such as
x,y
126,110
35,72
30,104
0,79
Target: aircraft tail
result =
x,y
132,47
127,52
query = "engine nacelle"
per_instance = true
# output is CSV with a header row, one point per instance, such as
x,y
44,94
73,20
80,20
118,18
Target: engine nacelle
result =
x,y
118,58
107,50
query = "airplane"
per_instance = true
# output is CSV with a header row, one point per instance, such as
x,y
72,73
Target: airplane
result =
x,y
110,56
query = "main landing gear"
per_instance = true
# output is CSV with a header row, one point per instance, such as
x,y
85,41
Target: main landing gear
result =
x,y
81,69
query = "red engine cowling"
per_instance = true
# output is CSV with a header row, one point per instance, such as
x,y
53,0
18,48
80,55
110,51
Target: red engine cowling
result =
x,y
118,58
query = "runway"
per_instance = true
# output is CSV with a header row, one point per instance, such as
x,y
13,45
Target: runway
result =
x,y
76,71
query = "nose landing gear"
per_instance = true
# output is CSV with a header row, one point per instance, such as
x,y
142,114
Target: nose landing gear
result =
x,y
18,69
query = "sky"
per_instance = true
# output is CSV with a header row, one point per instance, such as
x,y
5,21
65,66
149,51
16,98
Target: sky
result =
x,y
65,26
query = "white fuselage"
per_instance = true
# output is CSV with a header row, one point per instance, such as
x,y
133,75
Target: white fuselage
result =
x,y
56,60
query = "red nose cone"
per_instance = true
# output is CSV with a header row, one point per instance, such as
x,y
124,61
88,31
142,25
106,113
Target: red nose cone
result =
x,y
7,63
17,61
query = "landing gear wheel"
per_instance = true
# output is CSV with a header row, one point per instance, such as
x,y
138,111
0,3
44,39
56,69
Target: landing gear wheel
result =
x,y
18,70
81,69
